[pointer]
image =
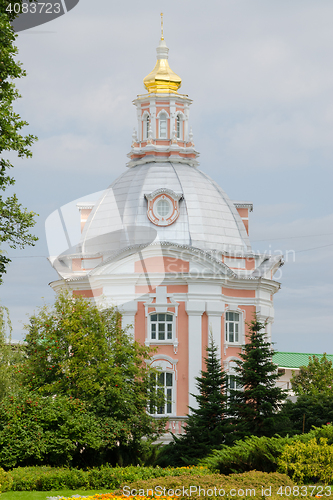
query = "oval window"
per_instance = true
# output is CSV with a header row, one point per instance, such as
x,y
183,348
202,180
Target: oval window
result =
x,y
163,208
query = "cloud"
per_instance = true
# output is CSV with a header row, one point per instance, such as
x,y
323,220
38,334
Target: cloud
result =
x,y
261,78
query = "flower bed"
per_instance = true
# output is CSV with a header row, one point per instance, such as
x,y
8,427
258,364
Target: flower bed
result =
x,y
111,496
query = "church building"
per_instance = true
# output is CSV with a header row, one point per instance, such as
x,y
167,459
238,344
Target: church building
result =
x,y
166,245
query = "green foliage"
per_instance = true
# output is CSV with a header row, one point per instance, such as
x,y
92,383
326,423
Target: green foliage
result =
x,y
251,481
315,410
15,221
254,408
48,478
326,431
75,349
309,462
314,379
6,481
259,453
10,356
54,430
206,426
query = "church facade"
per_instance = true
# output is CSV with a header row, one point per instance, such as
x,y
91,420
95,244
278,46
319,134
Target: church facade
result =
x,y
166,245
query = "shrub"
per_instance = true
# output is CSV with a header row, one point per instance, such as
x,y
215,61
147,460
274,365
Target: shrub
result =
x,y
253,480
6,481
48,478
259,453
308,462
36,430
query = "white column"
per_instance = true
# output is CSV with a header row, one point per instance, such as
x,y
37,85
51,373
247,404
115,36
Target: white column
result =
x,y
138,110
194,309
214,311
128,312
186,113
152,109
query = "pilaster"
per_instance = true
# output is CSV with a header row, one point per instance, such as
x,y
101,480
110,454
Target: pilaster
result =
x,y
128,312
194,309
214,311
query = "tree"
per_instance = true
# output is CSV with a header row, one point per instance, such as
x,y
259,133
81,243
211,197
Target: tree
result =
x,y
254,406
10,356
308,411
15,221
77,350
57,431
316,378
206,426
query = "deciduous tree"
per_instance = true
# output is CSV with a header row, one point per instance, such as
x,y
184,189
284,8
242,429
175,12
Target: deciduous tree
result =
x,y
75,349
15,221
315,378
10,356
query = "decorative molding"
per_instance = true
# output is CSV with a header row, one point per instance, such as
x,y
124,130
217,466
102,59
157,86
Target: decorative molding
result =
x,y
176,196
161,112
86,205
172,200
243,204
161,307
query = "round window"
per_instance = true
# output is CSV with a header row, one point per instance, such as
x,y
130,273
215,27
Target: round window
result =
x,y
163,208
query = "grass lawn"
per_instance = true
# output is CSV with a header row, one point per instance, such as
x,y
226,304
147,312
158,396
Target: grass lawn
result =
x,y
41,495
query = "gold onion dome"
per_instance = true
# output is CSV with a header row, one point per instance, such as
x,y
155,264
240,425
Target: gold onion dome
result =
x,y
162,79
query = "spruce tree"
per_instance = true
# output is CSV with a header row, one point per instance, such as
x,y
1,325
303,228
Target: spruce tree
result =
x,y
206,425
255,404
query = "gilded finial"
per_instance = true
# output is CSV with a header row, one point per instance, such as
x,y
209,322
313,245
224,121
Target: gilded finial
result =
x,y
162,36
162,79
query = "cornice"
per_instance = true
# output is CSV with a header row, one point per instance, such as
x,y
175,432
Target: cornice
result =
x,y
86,205
243,204
151,158
161,97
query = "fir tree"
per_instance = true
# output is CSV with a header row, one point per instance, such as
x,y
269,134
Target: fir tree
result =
x,y
255,404
206,425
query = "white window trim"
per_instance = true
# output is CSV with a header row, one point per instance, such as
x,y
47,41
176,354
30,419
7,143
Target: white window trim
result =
x,y
162,308
172,369
144,125
241,333
163,112
181,117
230,370
165,341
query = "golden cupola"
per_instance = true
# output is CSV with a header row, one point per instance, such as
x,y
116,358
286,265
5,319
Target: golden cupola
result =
x,y
162,79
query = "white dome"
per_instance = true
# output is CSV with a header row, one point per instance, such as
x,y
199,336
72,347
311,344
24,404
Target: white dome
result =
x,y
207,220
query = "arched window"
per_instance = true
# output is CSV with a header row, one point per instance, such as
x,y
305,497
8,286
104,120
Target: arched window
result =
x,y
163,126
179,127
232,384
161,393
146,127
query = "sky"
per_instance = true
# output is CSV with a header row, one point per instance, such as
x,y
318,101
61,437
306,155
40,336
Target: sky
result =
x,y
261,78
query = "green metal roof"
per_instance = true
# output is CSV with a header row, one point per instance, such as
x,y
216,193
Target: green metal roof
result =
x,y
295,359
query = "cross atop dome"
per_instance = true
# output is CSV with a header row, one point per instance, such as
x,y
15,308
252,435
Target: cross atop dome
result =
x,y
162,78
164,132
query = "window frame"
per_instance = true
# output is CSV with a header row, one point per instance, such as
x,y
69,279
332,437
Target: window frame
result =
x,y
179,128
168,393
237,325
166,329
146,123
163,119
